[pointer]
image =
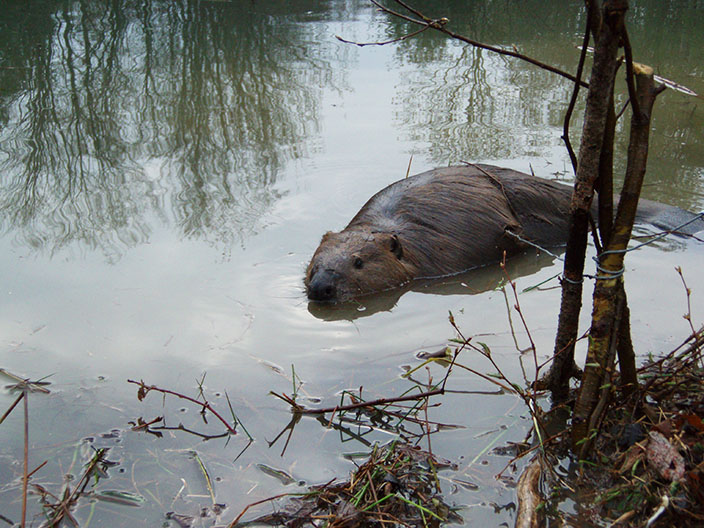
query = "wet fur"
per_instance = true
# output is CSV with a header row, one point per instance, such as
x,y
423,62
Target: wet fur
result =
x,y
449,220
444,221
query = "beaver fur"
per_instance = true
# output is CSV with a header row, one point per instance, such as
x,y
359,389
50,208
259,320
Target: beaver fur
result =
x,y
443,222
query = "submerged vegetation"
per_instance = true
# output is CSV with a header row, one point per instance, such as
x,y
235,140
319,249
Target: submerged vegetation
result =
x,y
397,485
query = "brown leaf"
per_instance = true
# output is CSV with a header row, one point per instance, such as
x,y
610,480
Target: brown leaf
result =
x,y
695,481
665,427
695,421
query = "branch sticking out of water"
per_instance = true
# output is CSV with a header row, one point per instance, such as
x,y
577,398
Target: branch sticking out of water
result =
x,y
360,405
61,509
145,389
383,43
440,24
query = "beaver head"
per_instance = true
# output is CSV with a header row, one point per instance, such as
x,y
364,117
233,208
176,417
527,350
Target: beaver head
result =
x,y
356,262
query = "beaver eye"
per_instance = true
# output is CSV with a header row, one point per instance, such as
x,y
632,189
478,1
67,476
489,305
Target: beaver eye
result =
x,y
358,263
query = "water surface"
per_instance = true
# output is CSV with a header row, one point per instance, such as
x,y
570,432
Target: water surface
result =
x,y
166,171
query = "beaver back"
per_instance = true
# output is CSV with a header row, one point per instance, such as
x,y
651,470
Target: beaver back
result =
x,y
455,218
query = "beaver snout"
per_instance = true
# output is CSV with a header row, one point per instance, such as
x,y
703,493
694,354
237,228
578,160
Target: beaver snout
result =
x,y
323,286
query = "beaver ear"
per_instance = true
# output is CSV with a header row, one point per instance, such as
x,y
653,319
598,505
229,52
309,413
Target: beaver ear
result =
x,y
395,247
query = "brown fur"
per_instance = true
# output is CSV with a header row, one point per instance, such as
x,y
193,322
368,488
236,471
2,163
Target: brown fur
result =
x,y
441,222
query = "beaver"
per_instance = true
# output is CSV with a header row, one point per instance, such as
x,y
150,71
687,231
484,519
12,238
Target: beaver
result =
x,y
445,221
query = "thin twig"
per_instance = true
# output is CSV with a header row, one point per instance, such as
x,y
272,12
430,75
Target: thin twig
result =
x,y
575,93
487,354
688,315
381,43
540,445
635,105
144,389
25,477
14,404
517,307
507,388
698,341
33,386
63,506
180,427
426,423
29,475
237,519
372,403
440,25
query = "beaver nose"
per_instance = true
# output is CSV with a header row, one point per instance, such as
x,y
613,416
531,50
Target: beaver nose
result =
x,y
322,286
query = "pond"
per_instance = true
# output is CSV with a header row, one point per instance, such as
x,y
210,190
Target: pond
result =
x,y
167,169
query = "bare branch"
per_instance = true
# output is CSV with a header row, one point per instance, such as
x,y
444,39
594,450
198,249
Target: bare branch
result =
x,y
371,403
441,23
629,74
575,93
144,389
381,43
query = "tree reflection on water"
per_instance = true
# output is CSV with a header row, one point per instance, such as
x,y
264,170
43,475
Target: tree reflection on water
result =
x,y
119,114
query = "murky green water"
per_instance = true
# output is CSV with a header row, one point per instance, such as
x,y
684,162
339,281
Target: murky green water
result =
x,y
168,167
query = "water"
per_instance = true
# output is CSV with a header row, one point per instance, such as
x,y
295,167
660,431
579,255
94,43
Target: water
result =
x,y
167,170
